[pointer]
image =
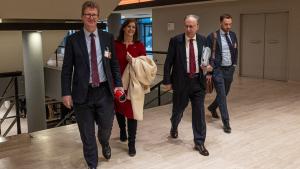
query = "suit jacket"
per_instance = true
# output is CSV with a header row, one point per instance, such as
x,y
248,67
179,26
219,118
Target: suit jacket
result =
x,y
175,68
76,66
218,55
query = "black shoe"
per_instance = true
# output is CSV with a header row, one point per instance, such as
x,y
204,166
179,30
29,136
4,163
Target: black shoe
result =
x,y
202,150
174,132
226,127
123,135
106,151
131,149
214,113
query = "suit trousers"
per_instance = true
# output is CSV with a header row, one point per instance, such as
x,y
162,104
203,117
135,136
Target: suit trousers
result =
x,y
222,78
98,108
192,91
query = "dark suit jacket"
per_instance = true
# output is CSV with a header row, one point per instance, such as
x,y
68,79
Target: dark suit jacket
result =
x,y
175,68
76,56
218,56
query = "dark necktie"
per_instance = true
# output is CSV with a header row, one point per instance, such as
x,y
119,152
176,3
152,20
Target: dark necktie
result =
x,y
192,58
94,63
229,44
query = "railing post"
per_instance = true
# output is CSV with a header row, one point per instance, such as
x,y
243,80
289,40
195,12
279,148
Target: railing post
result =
x,y
17,105
56,61
159,103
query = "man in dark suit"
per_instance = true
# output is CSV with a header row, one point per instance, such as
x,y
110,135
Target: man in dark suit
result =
x,y
183,74
90,65
224,64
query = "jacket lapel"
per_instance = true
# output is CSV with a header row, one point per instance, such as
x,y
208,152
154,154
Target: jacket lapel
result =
x,y
83,47
102,42
103,46
232,38
219,40
200,49
183,51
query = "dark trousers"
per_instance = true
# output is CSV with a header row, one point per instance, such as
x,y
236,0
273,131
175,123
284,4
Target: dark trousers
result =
x,y
194,91
98,108
132,126
222,78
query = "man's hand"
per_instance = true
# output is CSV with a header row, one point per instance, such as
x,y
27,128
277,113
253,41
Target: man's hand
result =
x,y
119,88
67,101
168,87
207,68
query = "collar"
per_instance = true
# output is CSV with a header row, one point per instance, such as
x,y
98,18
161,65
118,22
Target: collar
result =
x,y
87,33
188,39
222,32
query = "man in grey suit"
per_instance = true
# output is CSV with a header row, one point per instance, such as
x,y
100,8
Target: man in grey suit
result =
x,y
224,64
90,65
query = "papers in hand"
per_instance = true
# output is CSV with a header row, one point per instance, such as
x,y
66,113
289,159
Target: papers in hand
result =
x,y
205,56
206,53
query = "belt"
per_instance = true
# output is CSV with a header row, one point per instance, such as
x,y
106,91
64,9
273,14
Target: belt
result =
x,y
226,67
195,75
99,85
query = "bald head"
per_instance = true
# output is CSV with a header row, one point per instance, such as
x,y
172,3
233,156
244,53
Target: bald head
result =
x,y
191,23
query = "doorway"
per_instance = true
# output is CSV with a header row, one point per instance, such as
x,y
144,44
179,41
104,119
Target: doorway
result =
x,y
264,45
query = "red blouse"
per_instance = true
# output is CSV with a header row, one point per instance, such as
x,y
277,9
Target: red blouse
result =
x,y
136,49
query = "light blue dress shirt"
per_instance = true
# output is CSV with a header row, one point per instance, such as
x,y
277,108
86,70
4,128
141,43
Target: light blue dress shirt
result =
x,y
226,60
101,72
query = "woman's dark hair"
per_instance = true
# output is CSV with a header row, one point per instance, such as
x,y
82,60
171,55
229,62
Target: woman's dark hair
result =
x,y
121,33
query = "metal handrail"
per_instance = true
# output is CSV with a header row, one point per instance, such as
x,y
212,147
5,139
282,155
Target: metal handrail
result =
x,y
14,76
159,94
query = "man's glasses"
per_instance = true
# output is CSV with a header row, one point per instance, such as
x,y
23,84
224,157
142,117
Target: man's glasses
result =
x,y
88,15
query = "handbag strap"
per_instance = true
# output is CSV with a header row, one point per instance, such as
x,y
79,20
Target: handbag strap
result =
x,y
213,54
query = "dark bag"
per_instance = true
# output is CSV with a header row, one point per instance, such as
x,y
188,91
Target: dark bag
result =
x,y
209,83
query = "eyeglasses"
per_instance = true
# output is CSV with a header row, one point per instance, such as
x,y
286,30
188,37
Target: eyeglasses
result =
x,y
88,15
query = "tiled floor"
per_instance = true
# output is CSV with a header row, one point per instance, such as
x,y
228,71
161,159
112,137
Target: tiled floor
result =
x,y
265,120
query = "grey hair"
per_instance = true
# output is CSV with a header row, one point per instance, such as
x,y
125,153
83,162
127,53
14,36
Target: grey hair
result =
x,y
192,16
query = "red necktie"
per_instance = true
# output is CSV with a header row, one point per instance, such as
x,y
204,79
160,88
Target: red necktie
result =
x,y
192,58
94,63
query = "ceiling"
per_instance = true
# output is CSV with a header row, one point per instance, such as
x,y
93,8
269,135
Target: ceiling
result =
x,y
142,11
50,9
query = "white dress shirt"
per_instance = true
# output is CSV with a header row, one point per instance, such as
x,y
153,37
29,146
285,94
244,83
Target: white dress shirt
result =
x,y
187,47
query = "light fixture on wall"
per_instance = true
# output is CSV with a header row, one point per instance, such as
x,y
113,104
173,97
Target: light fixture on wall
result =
x,y
126,2
0,20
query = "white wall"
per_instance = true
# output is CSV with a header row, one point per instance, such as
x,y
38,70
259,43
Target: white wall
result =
x,y
11,51
11,48
209,21
51,39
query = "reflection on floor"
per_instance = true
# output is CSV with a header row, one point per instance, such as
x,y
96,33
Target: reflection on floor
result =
x,y
265,120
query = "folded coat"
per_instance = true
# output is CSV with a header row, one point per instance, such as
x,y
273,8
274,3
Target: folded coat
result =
x,y
137,79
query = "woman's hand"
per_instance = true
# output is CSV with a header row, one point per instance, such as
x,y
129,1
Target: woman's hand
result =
x,y
129,58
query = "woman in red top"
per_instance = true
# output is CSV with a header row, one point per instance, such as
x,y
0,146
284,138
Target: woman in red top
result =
x,y
127,43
